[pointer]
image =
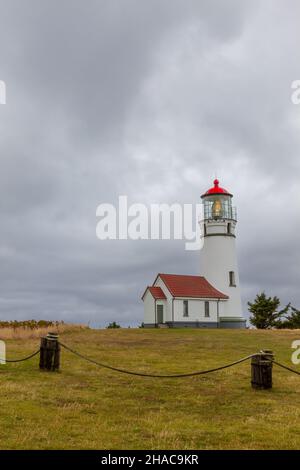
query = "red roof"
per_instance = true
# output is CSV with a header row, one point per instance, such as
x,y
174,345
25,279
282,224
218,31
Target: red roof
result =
x,y
157,292
190,286
216,190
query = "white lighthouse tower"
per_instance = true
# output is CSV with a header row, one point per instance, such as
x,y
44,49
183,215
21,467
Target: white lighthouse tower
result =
x,y
218,255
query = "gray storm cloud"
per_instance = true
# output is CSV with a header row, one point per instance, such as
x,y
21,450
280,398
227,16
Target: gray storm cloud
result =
x,y
147,99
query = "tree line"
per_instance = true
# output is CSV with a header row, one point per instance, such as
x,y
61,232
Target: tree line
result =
x,y
266,313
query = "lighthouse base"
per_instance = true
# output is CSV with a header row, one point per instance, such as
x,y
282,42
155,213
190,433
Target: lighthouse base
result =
x,y
229,323
232,322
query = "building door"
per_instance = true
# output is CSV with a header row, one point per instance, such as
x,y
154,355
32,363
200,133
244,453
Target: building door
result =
x,y
160,313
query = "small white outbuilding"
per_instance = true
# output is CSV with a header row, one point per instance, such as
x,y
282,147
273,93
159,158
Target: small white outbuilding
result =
x,y
177,300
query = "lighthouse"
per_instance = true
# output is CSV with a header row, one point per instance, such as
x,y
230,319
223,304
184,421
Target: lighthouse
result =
x,y
218,256
213,298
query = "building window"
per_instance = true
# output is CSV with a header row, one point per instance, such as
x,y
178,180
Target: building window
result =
x,y
232,279
205,230
185,308
229,228
206,308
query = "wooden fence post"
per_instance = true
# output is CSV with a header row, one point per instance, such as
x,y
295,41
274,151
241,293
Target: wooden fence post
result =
x,y
261,370
50,352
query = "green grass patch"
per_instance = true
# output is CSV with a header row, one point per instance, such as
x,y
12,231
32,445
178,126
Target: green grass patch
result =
x,y
87,407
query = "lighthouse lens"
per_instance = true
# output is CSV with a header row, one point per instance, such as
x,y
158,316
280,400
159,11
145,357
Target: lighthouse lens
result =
x,y
217,208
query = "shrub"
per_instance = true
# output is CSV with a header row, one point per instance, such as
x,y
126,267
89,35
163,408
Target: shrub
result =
x,y
113,325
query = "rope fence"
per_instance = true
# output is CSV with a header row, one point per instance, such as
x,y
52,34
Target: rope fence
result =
x,y
23,358
286,367
143,374
261,363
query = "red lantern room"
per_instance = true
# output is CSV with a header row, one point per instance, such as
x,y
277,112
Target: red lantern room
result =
x,y
217,203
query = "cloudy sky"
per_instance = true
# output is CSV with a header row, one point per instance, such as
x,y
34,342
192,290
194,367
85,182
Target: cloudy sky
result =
x,y
150,99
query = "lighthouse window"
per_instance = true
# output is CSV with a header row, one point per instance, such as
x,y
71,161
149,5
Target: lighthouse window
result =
x,y
206,308
229,227
232,279
185,308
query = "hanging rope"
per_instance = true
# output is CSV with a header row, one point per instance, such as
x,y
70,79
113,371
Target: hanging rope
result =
x,y
142,374
23,359
286,367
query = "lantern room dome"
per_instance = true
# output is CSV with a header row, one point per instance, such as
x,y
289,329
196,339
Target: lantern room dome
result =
x,y
216,189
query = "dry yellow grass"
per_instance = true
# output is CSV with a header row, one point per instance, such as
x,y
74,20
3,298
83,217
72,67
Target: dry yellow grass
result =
x,y
31,333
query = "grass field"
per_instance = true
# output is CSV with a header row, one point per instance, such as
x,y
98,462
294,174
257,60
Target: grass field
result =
x,y
86,407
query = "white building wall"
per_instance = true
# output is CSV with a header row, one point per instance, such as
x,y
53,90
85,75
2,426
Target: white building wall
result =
x,y
149,308
218,258
196,309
